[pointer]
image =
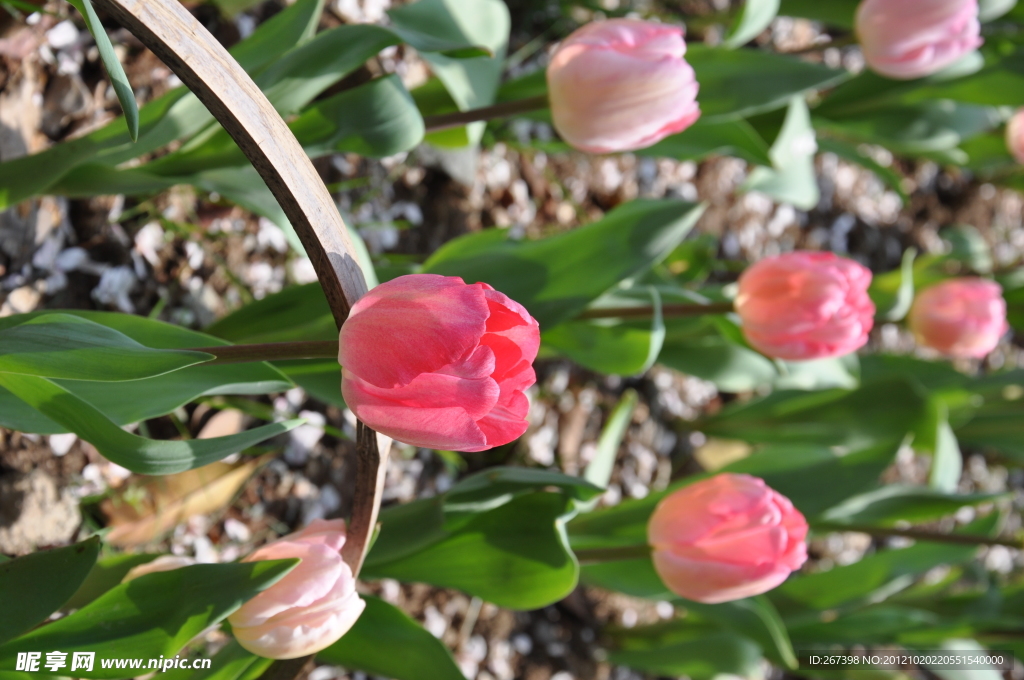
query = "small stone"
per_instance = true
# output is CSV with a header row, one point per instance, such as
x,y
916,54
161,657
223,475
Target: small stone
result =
x,y
34,513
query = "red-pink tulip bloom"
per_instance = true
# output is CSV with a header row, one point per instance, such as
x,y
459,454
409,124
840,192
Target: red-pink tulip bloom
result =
x,y
311,607
620,85
432,361
906,39
805,305
960,317
726,537
1015,136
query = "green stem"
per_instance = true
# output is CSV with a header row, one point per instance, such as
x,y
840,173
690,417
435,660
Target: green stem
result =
x,y
328,349
272,351
917,534
667,310
501,110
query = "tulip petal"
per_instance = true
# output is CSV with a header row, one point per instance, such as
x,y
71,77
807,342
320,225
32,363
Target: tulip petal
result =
x,y
411,325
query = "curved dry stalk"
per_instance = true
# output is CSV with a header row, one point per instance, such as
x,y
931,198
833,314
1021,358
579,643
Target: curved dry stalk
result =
x,y
202,63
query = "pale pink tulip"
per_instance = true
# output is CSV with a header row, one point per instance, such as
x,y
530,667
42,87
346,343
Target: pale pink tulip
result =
x,y
1015,136
725,538
961,318
805,305
311,607
620,85
906,39
432,361
162,563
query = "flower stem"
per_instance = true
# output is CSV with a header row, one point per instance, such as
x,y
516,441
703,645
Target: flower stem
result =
x,y
501,110
918,534
272,351
667,310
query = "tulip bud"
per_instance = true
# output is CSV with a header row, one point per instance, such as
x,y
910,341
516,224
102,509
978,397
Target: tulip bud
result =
x,y
726,537
805,305
162,563
311,607
907,39
620,85
960,318
432,361
1015,136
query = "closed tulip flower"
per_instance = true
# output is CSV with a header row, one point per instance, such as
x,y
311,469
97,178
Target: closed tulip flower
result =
x,y
805,305
906,39
1015,136
725,538
620,85
311,607
961,318
432,361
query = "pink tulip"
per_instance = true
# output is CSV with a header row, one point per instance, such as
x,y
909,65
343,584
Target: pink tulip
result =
x,y
960,317
432,361
311,607
805,305
906,39
162,563
1015,136
620,85
726,537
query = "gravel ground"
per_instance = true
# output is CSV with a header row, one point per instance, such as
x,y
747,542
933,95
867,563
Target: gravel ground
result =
x,y
208,258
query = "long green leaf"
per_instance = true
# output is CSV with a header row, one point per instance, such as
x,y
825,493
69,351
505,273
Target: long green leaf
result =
x,y
122,88
36,585
152,616
370,646
70,347
145,456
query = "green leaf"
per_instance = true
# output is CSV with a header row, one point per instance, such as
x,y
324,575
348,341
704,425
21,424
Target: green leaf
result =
x,y
599,471
151,397
138,454
896,503
882,572
66,346
815,478
691,651
230,663
881,411
705,138
756,16
838,13
709,355
119,81
755,618
969,246
472,82
297,312
947,460
151,616
791,179
516,556
376,119
106,573
740,83
371,645
36,585
989,10
928,127
609,345
321,378
557,277
483,488
632,577
893,292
